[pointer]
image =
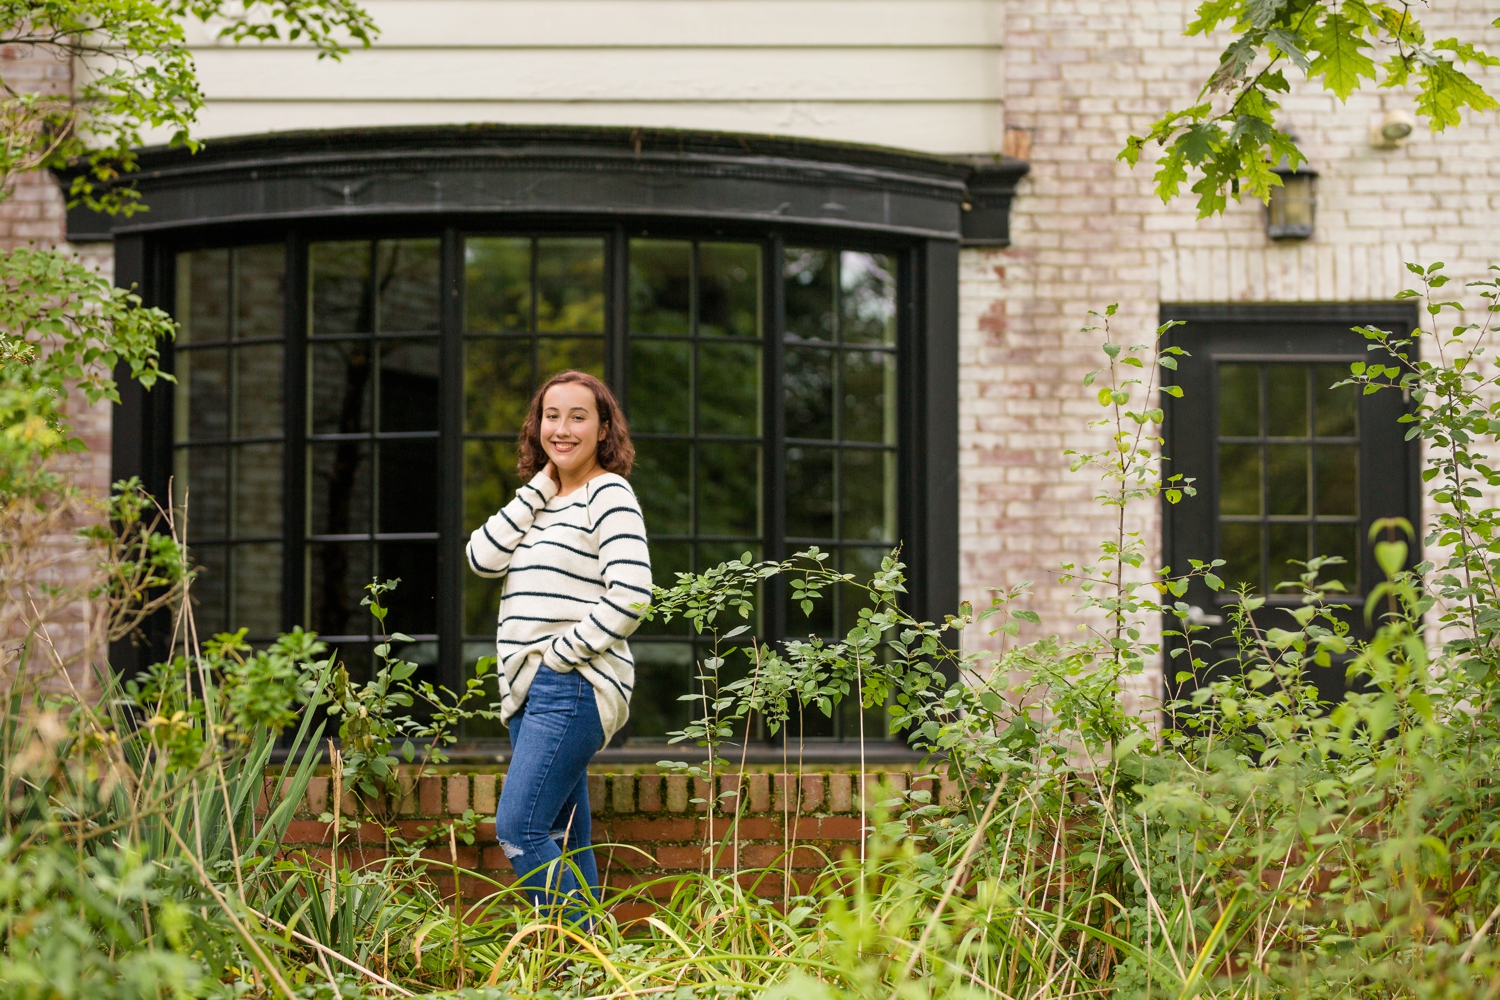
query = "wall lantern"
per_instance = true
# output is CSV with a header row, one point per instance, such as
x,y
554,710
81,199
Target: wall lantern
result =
x,y
1289,214
1392,129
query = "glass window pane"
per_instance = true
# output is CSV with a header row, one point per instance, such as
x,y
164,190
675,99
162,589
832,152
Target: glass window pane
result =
x,y
210,589
729,294
808,283
868,388
558,354
497,285
1287,542
200,483
1286,400
339,277
257,589
1239,547
408,285
729,489
729,389
660,386
1239,400
667,560
355,656
497,384
868,495
1286,478
867,298
570,286
665,669
409,385
663,482
1337,479
1239,479
201,395
490,479
801,623
661,286
202,296
1340,540
864,563
413,603
336,576
809,492
257,490
809,393
257,383
341,396
1335,411
408,486
260,278
339,488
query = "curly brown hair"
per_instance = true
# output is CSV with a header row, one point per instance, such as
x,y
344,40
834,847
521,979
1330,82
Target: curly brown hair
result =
x,y
616,454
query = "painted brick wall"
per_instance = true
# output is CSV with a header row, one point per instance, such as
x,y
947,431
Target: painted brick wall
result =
x,y
817,815
1087,231
33,214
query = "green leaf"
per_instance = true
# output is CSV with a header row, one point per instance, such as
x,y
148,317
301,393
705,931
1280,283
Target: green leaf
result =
x,y
1341,61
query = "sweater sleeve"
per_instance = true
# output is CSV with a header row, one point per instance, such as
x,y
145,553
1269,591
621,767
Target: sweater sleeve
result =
x,y
625,563
494,542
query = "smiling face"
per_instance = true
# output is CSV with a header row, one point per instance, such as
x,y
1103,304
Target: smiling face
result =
x,y
570,429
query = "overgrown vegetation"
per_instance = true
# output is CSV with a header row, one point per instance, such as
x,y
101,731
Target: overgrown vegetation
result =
x,y
1267,843
1228,138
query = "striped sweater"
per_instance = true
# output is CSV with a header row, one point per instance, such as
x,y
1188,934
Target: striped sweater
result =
x,y
576,570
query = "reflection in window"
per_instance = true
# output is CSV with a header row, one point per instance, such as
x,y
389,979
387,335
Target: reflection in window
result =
x,y
691,339
227,468
1288,472
532,308
372,429
840,397
695,399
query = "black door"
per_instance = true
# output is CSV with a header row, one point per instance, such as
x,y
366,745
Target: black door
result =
x,y
1286,466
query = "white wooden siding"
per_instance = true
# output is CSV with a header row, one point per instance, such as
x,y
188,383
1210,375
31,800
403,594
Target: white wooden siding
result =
x,y
917,74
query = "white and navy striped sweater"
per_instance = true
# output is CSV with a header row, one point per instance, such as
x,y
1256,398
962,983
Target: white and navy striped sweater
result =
x,y
577,570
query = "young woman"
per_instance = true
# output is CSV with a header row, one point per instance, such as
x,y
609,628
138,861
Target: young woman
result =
x,y
571,546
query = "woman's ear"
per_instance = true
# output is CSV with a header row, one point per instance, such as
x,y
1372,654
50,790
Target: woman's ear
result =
x,y
603,429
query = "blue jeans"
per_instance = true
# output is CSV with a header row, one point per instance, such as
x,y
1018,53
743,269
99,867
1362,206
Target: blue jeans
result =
x,y
544,804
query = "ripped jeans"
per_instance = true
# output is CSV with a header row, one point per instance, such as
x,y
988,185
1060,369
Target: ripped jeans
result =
x,y
544,804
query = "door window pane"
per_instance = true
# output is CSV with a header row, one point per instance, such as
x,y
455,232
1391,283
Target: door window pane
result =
x,y
1292,491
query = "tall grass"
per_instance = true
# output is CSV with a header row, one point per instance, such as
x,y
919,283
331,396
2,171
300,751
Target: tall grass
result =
x,y
1267,843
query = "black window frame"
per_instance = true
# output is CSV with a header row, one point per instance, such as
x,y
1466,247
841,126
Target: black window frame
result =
x,y
1271,333
243,196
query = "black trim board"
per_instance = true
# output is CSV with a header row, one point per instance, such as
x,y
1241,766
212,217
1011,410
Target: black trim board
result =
x,y
481,169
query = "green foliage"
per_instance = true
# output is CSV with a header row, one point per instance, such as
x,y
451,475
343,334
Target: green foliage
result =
x,y
63,327
140,78
1228,136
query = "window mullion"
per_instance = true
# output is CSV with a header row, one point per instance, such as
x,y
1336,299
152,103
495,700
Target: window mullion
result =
x,y
450,463
773,502
294,432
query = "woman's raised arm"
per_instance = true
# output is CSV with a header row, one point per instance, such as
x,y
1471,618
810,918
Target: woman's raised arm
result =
x,y
494,542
